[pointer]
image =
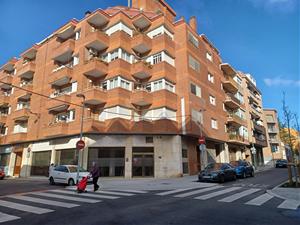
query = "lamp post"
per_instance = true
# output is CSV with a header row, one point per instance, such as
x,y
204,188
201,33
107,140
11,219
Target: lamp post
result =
x,y
253,151
80,135
202,146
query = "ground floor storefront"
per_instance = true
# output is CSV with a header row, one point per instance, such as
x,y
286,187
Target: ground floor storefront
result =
x,y
128,156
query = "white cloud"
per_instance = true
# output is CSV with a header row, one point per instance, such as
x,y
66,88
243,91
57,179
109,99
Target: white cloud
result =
x,y
278,81
276,5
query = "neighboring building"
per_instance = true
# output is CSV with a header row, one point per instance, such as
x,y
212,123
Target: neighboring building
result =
x,y
151,87
255,119
274,150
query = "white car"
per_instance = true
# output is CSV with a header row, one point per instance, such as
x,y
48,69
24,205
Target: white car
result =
x,y
66,174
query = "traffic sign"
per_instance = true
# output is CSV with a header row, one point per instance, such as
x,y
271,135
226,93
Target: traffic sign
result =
x,y
80,144
201,140
202,147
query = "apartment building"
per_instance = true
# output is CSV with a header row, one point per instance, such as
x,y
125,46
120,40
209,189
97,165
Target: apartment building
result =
x,y
255,120
274,150
151,86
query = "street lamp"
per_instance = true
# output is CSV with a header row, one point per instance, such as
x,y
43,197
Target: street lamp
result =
x,y
80,136
202,147
253,151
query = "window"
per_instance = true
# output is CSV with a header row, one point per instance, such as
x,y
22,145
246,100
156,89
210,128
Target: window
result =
x,y
211,78
20,127
214,124
119,27
159,31
65,116
193,40
194,64
149,139
114,55
115,112
125,84
157,85
75,60
113,83
212,100
3,130
238,80
197,116
169,86
157,58
77,35
117,82
209,56
125,56
195,90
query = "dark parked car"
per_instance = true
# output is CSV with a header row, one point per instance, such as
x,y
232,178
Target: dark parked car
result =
x,y
243,168
219,172
281,163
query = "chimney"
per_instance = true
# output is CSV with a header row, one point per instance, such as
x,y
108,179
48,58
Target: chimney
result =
x,y
87,13
193,23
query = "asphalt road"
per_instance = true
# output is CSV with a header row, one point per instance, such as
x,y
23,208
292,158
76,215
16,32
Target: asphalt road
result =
x,y
178,207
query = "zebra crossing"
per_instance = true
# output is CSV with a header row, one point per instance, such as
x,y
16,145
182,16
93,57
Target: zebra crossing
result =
x,y
49,201
230,194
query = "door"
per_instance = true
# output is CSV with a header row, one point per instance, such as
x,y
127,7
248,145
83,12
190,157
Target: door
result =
x,y
142,162
18,162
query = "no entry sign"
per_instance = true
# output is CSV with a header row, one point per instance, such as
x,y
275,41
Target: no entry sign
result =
x,y
80,144
201,140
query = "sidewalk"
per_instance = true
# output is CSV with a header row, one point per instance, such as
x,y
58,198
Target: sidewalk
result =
x,y
153,184
285,193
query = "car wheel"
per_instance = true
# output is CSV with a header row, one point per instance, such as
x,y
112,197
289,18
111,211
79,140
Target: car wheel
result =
x,y
51,180
1,178
234,177
71,182
252,173
244,175
222,179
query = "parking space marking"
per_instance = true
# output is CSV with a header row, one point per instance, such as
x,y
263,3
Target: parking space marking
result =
x,y
239,195
25,208
217,193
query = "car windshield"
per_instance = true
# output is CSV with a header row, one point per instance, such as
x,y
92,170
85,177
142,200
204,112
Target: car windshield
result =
x,y
214,166
73,169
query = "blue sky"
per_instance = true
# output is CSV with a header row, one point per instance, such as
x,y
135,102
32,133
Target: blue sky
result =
x,y
260,37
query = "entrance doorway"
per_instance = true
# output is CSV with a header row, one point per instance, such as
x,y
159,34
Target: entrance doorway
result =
x,y
142,162
18,162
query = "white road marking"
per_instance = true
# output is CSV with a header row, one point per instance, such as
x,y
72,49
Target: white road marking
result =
x,y
25,208
260,199
130,191
198,191
85,194
214,194
5,217
76,199
43,201
177,190
239,195
289,204
113,193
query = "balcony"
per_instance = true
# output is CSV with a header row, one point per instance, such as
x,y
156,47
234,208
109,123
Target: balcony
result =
x,y
164,98
163,70
21,114
91,125
97,40
274,141
17,137
95,96
228,69
119,66
59,103
7,79
235,120
3,118
61,77
230,84
260,141
63,52
141,22
237,139
231,101
98,19
27,70
163,43
141,70
273,130
141,98
95,68
57,129
259,128
141,44
4,99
